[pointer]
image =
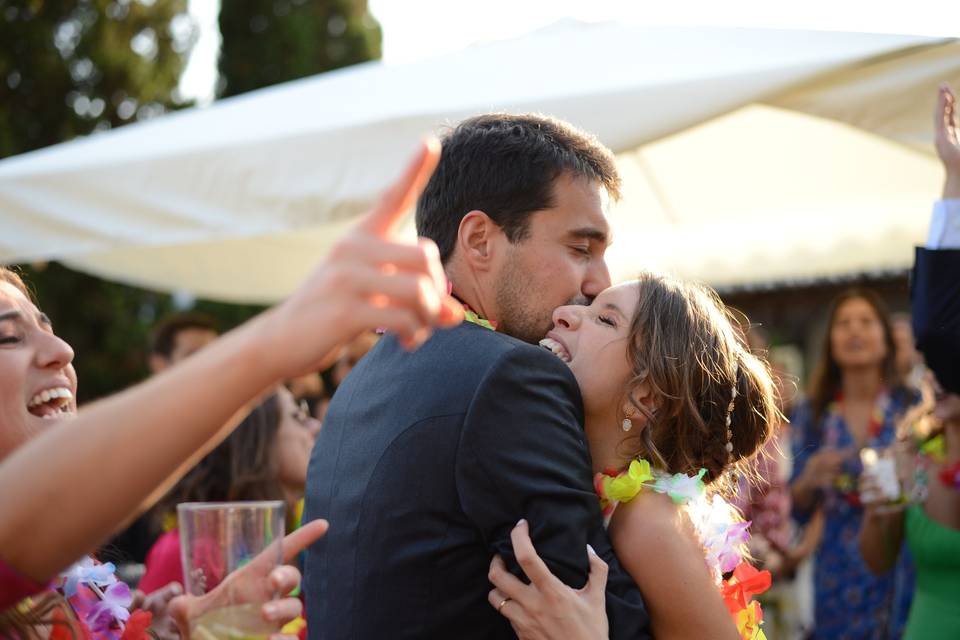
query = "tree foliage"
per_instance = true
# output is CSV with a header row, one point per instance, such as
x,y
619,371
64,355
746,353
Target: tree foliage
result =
x,y
72,67
266,42
69,68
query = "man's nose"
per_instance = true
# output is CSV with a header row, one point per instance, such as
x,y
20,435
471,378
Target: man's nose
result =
x,y
597,279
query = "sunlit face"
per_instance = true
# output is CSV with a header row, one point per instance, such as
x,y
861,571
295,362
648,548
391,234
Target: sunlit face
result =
x,y
37,381
560,262
856,336
593,342
295,436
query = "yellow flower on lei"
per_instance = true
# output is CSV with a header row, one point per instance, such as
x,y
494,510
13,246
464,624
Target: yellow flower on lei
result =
x,y
625,486
748,622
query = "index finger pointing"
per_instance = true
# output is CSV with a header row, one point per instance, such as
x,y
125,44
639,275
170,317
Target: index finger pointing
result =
x,y
388,212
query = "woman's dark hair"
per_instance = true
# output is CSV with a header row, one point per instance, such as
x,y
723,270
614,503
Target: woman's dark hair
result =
x,y
505,165
826,376
242,467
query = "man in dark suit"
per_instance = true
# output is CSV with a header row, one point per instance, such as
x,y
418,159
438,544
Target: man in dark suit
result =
x,y
427,460
935,287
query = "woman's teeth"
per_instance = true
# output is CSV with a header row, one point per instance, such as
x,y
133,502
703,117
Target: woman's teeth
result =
x,y
51,403
556,348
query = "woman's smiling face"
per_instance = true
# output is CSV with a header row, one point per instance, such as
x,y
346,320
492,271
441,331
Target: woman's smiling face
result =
x,y
37,381
593,342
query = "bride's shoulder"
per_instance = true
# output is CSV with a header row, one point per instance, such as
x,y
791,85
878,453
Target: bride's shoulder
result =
x,y
651,520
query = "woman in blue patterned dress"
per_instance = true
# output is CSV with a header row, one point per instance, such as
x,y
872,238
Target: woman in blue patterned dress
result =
x,y
855,398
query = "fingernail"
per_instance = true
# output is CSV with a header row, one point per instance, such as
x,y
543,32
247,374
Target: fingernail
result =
x,y
270,610
590,550
521,521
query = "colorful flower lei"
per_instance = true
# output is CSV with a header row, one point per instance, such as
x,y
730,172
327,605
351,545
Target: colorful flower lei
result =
x,y
100,604
715,520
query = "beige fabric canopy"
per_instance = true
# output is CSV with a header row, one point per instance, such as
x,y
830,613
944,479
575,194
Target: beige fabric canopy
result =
x,y
749,156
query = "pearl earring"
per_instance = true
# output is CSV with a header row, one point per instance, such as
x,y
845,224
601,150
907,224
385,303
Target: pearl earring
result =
x,y
627,423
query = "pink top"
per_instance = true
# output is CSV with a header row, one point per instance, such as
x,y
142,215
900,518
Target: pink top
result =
x,y
15,587
163,563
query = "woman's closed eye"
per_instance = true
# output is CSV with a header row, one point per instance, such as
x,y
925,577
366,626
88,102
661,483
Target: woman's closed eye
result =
x,y
607,320
9,332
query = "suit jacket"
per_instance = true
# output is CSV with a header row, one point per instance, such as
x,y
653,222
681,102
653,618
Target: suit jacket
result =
x,y
424,464
935,294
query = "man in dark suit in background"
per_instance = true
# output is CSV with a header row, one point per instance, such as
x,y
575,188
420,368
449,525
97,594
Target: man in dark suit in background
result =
x,y
427,460
935,287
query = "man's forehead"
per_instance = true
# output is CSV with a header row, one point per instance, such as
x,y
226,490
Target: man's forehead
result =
x,y
578,206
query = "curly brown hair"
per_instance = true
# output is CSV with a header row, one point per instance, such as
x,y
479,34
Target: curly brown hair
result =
x,y
683,344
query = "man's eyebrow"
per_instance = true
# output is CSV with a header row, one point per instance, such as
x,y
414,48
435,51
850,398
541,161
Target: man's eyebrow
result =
x,y
589,233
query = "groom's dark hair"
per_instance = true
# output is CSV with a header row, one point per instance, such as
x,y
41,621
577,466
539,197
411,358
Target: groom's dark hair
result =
x,y
505,165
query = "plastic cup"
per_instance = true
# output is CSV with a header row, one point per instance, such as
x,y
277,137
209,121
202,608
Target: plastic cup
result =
x,y
217,540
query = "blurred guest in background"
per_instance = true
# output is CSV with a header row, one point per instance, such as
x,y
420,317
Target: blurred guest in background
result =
x,y
909,361
855,398
178,336
173,339
763,498
312,393
265,458
929,519
350,355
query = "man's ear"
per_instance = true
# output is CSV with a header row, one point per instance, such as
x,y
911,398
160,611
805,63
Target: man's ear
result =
x,y
477,239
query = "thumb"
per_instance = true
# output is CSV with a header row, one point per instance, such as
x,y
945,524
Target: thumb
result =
x,y
597,583
179,609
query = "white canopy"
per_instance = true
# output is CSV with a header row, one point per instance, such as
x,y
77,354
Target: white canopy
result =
x,y
748,156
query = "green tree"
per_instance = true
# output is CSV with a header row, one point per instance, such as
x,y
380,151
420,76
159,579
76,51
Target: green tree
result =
x,y
265,42
69,68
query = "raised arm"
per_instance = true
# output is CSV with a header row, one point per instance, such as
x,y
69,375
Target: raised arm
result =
x,y
946,141
85,479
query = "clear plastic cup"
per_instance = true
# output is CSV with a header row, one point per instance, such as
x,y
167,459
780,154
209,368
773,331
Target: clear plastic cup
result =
x,y
217,540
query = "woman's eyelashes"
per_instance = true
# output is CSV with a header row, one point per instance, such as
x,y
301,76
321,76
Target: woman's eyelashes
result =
x,y
607,320
9,332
